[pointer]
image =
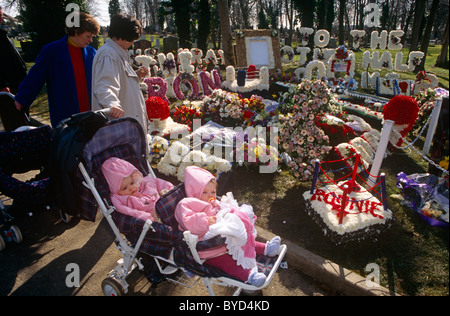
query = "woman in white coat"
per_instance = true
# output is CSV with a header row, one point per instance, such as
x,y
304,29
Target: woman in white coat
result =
x,y
115,84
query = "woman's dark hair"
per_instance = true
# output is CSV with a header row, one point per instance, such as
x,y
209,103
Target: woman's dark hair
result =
x,y
125,27
87,24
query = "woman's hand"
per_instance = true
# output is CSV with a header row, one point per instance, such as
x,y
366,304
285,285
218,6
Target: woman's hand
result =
x,y
116,112
143,72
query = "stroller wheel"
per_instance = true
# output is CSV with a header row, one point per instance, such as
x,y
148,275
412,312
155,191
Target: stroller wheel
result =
x,y
2,243
111,287
66,218
16,234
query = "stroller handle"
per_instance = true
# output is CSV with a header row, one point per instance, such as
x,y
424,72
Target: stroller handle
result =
x,y
105,111
22,111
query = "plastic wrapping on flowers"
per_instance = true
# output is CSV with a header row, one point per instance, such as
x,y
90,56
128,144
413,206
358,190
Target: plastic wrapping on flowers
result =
x,y
427,195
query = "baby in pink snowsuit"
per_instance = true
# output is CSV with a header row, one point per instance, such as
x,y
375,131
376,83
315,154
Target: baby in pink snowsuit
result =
x,y
131,193
197,212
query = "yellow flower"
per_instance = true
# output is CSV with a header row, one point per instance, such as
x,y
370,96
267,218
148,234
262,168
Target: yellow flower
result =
x,y
444,163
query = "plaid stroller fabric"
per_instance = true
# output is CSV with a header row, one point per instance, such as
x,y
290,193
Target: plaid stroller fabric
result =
x,y
21,152
165,208
163,239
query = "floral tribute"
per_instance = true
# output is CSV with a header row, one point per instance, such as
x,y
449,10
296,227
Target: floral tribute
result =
x,y
188,80
253,154
186,114
283,76
427,100
251,107
300,138
158,148
157,108
223,107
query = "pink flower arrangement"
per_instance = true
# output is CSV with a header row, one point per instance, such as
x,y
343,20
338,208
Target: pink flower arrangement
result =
x,y
300,137
224,108
189,80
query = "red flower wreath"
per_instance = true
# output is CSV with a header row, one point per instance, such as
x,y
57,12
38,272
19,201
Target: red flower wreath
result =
x,y
157,108
402,110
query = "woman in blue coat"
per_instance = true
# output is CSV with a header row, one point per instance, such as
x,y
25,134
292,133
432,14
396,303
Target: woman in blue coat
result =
x,y
66,67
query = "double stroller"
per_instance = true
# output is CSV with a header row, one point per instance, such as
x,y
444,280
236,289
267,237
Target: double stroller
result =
x,y
171,252
21,151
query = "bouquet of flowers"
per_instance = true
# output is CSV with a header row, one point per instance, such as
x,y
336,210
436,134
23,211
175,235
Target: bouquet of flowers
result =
x,y
300,138
283,76
252,107
185,114
224,108
158,148
253,154
157,108
426,100
307,96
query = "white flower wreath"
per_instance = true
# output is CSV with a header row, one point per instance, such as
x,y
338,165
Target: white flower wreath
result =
x,y
369,80
322,38
167,64
399,65
376,40
185,59
305,32
357,36
210,57
146,61
394,40
287,54
371,59
364,149
304,51
350,59
197,55
415,58
315,65
386,61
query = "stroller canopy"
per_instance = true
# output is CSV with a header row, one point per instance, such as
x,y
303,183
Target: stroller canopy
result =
x,y
126,131
123,138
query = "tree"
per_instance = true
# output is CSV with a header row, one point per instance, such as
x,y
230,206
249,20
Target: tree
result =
x,y
244,7
204,24
306,11
427,33
113,7
181,9
263,22
273,13
45,20
225,26
341,35
419,10
442,60
289,7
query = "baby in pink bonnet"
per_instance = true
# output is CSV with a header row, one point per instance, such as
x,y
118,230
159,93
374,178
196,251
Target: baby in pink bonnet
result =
x,y
131,193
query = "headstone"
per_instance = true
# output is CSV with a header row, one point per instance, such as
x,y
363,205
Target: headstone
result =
x,y
170,44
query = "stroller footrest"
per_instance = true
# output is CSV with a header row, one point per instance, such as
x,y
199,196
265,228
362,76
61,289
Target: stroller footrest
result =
x,y
182,279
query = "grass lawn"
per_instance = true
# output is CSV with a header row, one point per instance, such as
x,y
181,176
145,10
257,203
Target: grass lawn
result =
x,y
413,256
